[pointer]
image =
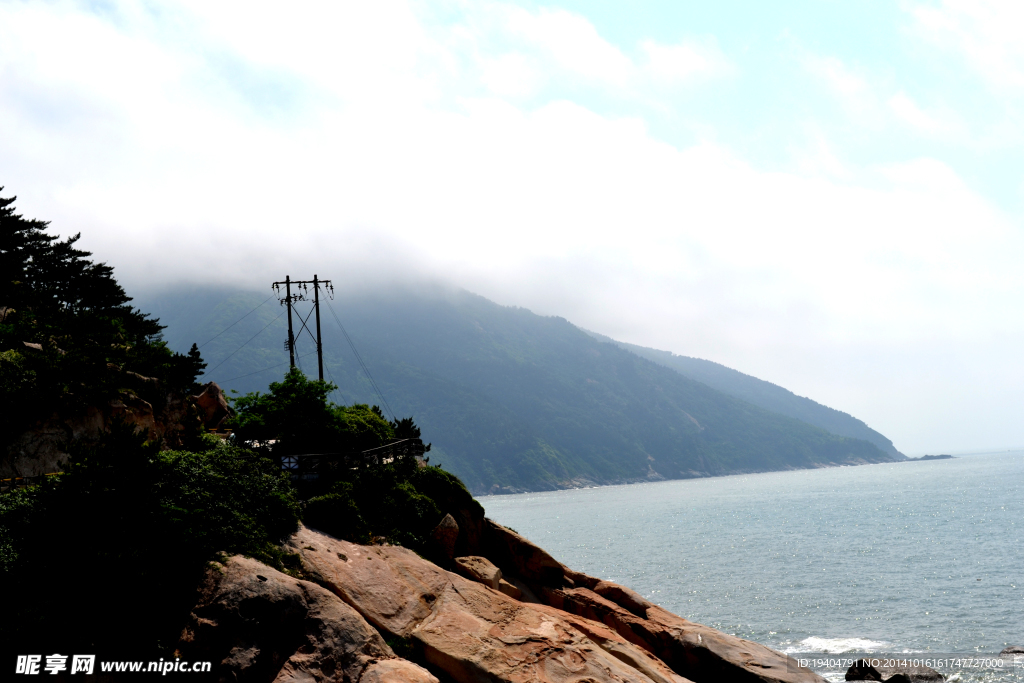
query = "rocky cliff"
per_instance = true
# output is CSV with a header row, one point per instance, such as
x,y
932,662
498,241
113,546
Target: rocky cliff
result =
x,y
505,611
42,447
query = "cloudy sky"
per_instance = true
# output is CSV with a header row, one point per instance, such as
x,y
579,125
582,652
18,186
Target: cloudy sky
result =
x,y
827,195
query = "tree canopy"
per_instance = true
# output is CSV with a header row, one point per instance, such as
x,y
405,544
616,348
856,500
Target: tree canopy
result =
x,y
297,415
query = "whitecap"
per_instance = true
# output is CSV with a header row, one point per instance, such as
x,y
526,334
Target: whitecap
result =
x,y
835,645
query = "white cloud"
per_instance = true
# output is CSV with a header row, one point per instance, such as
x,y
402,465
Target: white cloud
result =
x,y
571,41
986,32
818,157
686,60
512,75
518,52
852,87
242,143
924,122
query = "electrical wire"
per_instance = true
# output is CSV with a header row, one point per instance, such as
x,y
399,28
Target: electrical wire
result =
x,y
255,372
240,347
236,322
359,358
336,388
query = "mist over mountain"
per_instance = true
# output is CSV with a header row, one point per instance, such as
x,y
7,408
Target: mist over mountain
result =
x,y
761,393
512,401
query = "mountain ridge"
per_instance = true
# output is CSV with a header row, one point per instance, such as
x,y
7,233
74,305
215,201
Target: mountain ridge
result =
x,y
761,393
512,401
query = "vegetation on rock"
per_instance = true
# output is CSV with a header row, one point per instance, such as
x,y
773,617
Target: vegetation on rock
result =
x,y
128,522
69,337
299,418
399,500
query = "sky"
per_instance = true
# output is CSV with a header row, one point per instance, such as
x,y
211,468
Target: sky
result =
x,y
826,195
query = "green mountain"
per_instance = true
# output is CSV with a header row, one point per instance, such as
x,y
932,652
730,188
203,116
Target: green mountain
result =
x,y
512,401
761,393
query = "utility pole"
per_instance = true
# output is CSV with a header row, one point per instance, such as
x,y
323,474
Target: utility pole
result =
x,y
289,301
319,346
291,337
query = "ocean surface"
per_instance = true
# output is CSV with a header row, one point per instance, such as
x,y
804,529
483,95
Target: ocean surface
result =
x,y
921,558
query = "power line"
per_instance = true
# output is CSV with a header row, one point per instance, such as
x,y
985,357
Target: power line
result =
x,y
270,367
359,358
236,322
240,347
336,387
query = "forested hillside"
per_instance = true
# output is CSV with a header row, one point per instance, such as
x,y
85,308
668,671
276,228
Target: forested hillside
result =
x,y
116,469
511,400
764,394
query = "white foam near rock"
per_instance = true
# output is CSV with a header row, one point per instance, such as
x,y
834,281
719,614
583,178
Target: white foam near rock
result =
x,y
834,646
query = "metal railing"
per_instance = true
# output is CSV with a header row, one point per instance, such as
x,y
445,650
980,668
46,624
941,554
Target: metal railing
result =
x,y
307,466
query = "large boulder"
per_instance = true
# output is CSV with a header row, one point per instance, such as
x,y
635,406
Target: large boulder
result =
x,y
479,569
444,536
463,628
620,648
213,406
257,624
516,556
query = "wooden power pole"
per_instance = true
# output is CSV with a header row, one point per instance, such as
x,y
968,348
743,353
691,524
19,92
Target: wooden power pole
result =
x,y
289,300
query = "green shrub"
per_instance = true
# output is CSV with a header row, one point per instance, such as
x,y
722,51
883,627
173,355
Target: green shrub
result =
x,y
445,489
337,513
297,415
108,555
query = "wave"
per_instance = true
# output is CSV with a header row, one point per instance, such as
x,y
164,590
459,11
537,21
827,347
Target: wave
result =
x,y
835,646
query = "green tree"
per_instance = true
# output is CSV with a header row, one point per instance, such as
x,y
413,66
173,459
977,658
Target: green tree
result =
x,y
298,416
127,522
88,343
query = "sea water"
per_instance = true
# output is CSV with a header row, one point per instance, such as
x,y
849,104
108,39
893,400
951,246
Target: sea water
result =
x,y
918,557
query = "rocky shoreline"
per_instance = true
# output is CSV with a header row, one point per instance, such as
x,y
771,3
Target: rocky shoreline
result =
x,y
493,607
581,483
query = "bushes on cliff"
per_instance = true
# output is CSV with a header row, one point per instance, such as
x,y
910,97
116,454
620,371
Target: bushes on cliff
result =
x,y
109,553
298,417
397,500
376,504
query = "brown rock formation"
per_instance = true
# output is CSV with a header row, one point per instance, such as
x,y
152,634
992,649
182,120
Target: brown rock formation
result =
x,y
544,622
698,652
40,449
256,624
463,628
213,406
517,556
510,589
479,569
445,536
618,646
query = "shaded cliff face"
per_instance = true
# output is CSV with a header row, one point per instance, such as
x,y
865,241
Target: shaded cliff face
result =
x,y
42,448
258,625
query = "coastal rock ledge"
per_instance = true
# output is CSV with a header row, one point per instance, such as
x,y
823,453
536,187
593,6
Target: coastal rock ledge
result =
x,y
364,604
